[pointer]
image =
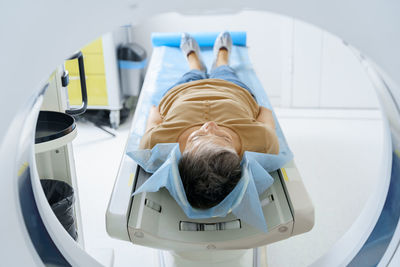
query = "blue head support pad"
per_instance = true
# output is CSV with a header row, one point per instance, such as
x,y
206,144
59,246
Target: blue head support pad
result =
x,y
243,201
204,39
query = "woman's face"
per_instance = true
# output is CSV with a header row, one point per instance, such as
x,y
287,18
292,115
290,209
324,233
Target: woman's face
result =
x,y
210,132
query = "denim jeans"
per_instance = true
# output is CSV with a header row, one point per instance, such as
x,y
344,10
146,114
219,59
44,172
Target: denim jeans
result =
x,y
223,72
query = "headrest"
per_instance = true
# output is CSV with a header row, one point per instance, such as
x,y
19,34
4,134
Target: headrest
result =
x,y
243,201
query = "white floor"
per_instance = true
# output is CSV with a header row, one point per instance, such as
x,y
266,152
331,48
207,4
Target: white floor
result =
x,y
338,153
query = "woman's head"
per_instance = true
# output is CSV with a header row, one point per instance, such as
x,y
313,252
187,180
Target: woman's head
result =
x,y
209,172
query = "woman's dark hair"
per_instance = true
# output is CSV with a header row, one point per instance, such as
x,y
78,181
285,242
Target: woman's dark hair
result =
x,y
209,175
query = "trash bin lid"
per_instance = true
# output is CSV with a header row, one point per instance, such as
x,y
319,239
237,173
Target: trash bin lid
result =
x,y
131,52
52,125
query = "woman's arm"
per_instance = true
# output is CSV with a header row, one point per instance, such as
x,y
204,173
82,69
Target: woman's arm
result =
x,y
265,116
154,118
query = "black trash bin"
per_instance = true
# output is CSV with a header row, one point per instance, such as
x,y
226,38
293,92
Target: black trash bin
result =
x,y
132,59
60,196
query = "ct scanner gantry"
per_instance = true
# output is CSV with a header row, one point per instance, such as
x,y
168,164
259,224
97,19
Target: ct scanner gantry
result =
x,y
36,37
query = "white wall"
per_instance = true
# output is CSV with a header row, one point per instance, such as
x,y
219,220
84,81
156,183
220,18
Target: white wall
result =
x,y
326,72
300,66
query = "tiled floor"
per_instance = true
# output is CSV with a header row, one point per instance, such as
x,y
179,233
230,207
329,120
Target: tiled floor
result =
x,y
337,152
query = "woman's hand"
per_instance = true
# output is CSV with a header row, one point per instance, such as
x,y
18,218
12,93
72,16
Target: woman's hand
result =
x,y
154,118
265,116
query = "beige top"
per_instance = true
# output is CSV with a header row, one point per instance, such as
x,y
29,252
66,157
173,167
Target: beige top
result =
x,y
229,105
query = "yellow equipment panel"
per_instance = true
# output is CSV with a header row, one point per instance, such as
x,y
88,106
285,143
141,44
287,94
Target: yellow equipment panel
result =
x,y
95,47
96,85
94,64
96,90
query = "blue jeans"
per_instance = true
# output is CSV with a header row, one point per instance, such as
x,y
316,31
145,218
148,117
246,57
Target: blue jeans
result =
x,y
223,72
